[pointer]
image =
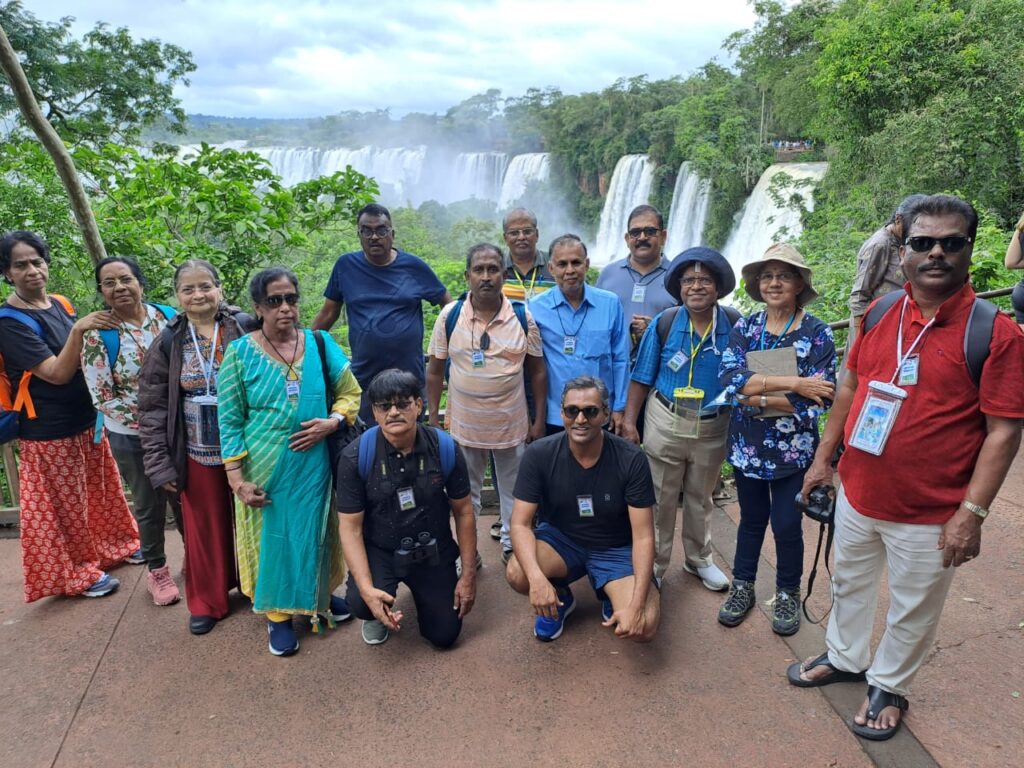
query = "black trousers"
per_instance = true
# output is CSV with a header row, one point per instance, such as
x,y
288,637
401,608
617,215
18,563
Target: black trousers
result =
x,y
432,588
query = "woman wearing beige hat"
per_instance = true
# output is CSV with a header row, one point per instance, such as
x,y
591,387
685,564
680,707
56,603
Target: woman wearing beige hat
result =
x,y
774,430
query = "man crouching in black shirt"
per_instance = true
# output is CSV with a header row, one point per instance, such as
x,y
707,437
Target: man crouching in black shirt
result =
x,y
395,496
595,495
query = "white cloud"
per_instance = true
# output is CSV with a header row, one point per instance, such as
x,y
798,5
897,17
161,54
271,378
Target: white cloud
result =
x,y
310,57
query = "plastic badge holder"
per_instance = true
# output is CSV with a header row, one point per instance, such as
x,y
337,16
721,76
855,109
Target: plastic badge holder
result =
x,y
687,401
877,417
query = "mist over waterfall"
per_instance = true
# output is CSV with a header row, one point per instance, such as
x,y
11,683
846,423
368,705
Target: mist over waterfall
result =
x,y
532,166
763,221
477,174
630,187
690,200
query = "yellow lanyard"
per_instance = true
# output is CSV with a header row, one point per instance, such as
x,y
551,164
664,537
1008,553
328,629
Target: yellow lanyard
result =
x,y
527,291
700,346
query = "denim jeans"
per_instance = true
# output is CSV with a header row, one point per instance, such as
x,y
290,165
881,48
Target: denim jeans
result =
x,y
761,502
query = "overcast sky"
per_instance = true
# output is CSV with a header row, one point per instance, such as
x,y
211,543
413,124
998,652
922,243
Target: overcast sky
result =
x,y
304,58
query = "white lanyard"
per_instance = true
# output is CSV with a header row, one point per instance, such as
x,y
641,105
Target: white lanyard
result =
x,y
900,357
207,368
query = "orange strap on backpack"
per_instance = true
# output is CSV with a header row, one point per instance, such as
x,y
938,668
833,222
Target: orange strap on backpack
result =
x,y
23,400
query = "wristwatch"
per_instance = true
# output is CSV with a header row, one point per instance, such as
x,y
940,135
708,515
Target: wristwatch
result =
x,y
978,510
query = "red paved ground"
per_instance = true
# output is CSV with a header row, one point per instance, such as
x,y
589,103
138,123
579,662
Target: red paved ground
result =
x,y
119,681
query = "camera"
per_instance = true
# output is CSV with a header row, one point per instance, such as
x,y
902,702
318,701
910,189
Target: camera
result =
x,y
820,504
419,551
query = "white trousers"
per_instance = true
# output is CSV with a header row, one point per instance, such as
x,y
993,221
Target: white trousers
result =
x,y
918,585
506,467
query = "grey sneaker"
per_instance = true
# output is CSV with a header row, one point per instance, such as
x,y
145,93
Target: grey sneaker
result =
x,y
374,633
458,564
737,604
786,612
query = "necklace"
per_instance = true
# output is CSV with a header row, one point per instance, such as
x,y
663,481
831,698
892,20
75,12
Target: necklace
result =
x,y
290,375
28,303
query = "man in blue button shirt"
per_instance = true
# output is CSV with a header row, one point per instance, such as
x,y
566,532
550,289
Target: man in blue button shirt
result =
x,y
685,445
384,289
583,331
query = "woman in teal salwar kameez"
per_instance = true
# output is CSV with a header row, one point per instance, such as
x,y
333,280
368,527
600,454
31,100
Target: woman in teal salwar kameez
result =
x,y
273,425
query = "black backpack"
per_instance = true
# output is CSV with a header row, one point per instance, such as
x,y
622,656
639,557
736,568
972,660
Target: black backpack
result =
x,y
666,318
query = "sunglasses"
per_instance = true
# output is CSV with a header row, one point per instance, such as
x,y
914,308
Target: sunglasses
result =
x,y
276,301
369,232
589,411
784,277
951,244
635,232
403,404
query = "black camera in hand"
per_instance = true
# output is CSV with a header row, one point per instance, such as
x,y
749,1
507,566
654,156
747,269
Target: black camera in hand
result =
x,y
419,551
820,504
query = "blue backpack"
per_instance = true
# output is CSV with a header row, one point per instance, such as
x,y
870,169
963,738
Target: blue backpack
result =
x,y
368,450
453,317
111,337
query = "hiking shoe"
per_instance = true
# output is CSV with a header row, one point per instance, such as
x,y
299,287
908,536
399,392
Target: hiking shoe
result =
x,y
786,612
162,587
104,585
458,565
496,530
606,609
710,575
135,558
374,632
339,609
738,603
546,629
283,641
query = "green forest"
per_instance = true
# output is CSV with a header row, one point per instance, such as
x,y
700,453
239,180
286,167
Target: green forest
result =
x,y
900,96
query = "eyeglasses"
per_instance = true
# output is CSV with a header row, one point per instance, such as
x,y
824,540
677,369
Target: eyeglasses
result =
x,y
703,281
951,244
573,411
524,232
276,301
188,290
782,277
113,283
402,404
380,232
635,232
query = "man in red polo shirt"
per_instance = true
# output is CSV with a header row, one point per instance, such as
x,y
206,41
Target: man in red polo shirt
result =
x,y
927,450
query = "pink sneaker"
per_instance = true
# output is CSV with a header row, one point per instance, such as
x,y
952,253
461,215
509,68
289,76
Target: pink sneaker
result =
x,y
162,587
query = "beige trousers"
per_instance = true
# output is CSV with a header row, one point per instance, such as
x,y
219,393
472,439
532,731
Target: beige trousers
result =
x,y
918,585
689,465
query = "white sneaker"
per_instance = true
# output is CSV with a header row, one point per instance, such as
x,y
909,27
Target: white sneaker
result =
x,y
710,575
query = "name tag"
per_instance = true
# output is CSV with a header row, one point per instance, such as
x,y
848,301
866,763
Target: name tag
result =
x,y
678,361
639,292
406,499
477,356
585,504
569,345
909,370
291,389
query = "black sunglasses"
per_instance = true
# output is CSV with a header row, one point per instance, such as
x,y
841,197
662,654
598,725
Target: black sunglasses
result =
x,y
276,301
645,231
951,244
589,411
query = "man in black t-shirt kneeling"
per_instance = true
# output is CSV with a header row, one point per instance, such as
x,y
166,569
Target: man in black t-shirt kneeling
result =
x,y
595,497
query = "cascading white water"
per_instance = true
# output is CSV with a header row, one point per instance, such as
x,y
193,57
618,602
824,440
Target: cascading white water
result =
x,y
630,187
533,166
763,222
478,175
690,200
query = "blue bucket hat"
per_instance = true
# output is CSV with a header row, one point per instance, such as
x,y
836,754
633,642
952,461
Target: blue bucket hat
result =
x,y
725,278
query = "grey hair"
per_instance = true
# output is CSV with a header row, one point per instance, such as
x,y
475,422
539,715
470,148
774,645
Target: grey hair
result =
x,y
586,382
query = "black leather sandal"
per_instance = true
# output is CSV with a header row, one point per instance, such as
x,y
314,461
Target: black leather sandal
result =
x,y
837,676
877,701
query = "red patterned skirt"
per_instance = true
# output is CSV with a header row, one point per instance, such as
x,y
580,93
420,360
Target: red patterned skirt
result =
x,y
75,521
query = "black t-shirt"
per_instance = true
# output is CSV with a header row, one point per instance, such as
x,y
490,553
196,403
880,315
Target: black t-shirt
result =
x,y
62,410
385,523
549,475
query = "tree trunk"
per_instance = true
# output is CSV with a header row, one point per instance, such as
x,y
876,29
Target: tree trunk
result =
x,y
54,146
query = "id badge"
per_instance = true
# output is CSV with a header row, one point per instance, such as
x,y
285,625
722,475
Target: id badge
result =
x,y
877,417
677,361
477,356
687,401
569,345
909,370
639,292
291,388
585,504
209,427
406,499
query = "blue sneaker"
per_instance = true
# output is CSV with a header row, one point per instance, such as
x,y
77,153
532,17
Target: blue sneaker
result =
x,y
283,641
105,585
606,610
339,609
546,629
135,558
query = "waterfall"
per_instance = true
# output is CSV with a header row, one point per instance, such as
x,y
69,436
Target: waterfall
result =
x,y
690,200
477,174
763,222
534,166
631,184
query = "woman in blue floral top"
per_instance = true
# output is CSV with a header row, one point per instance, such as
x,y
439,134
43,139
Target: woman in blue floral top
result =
x,y
771,453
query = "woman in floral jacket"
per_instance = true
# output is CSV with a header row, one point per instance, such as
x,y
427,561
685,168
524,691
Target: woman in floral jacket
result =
x,y
774,429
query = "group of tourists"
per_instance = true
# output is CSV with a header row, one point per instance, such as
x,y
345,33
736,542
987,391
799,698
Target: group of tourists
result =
x,y
598,410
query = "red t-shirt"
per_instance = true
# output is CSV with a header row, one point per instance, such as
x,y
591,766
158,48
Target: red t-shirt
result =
x,y
922,475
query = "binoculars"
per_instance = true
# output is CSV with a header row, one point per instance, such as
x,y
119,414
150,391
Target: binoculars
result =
x,y
419,551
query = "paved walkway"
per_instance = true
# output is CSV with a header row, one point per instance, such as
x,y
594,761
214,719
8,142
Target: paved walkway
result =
x,y
120,682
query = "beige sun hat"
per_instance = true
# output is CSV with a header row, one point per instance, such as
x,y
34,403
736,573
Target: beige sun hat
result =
x,y
788,254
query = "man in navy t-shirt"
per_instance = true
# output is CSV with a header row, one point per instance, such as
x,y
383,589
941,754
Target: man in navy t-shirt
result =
x,y
384,289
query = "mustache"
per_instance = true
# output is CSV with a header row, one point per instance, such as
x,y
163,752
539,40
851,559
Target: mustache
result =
x,y
934,265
